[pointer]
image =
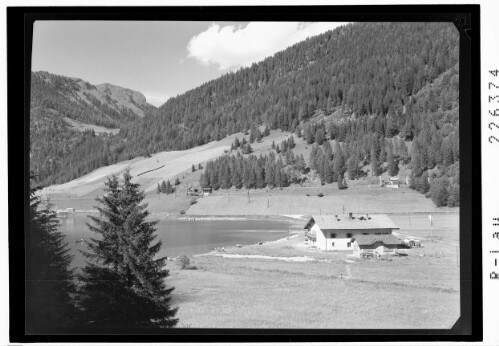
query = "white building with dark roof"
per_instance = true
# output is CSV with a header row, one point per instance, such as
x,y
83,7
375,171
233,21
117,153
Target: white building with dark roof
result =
x,y
338,232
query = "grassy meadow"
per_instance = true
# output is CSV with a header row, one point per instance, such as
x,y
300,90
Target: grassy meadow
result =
x,y
420,290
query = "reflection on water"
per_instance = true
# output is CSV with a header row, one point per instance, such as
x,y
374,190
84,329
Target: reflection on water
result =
x,y
186,237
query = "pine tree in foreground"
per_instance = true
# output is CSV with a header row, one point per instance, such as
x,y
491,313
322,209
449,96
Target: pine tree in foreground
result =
x,y
49,279
123,287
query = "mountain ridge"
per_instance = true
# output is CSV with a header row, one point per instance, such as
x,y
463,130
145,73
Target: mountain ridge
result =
x,y
379,80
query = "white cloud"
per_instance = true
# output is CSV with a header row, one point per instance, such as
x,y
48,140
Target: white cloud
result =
x,y
231,46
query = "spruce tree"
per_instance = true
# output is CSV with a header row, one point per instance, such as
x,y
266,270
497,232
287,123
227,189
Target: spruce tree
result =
x,y
252,136
340,183
278,176
236,179
193,169
269,172
247,149
163,187
49,278
260,179
202,180
177,181
393,168
169,188
329,174
353,167
319,136
403,152
158,189
258,135
300,164
375,166
339,167
123,288
328,151
312,158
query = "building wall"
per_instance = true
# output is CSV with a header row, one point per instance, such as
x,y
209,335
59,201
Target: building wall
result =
x,y
343,237
320,241
378,247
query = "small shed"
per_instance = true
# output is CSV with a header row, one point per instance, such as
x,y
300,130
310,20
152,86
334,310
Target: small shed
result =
x,y
394,182
382,244
193,191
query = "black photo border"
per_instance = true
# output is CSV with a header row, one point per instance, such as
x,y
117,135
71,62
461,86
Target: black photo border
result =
x,y
466,19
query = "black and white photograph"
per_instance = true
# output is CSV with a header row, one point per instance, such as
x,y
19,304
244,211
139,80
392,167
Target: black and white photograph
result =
x,y
230,174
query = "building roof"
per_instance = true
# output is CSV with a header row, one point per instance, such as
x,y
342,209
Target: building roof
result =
x,y
370,239
358,221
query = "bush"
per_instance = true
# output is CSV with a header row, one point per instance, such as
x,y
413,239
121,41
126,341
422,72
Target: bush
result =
x,y
184,262
438,191
320,194
193,201
182,212
453,200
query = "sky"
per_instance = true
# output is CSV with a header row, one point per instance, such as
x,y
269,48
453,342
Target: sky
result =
x,y
160,59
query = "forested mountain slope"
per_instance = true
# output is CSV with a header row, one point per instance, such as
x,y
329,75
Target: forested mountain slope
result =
x,y
59,152
362,84
367,68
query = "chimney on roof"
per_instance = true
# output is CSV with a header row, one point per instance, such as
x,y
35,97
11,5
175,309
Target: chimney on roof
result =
x,y
350,216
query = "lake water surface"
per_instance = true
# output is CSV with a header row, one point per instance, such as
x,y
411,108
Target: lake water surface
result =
x,y
186,237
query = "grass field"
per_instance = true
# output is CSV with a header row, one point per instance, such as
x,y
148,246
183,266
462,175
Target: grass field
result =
x,y
420,290
148,171
294,200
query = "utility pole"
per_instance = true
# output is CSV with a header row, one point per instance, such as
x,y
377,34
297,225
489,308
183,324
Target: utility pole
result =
x,y
431,227
248,197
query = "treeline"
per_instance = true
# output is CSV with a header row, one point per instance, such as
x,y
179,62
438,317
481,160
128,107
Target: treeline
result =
x,y
253,172
59,154
166,187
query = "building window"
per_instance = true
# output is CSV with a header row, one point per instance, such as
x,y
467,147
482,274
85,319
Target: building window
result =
x,y
349,235
333,235
349,244
332,244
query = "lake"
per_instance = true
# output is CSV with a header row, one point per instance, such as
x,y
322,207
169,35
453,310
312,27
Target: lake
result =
x,y
181,237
